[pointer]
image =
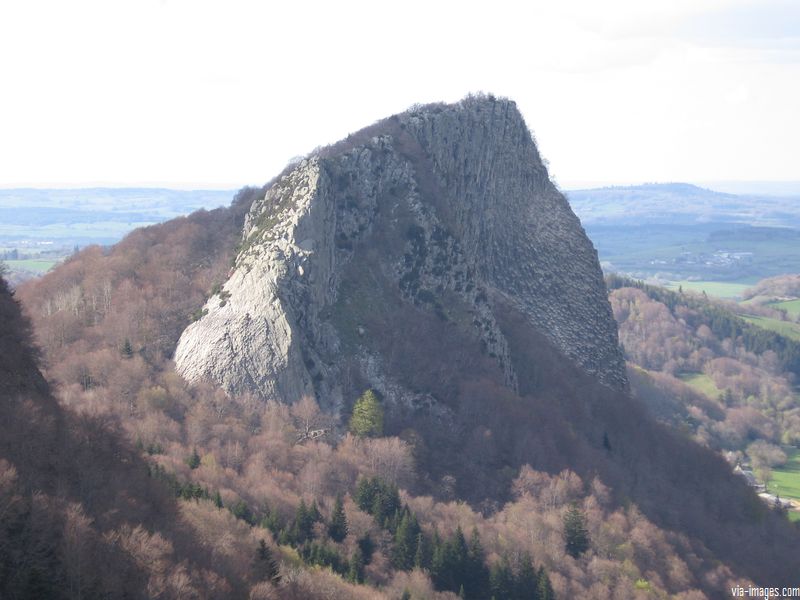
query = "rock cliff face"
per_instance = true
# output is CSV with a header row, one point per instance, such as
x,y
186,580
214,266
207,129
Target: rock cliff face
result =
x,y
445,210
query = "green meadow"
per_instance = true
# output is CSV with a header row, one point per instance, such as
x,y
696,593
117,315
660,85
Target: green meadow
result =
x,y
792,307
702,383
34,265
787,328
786,480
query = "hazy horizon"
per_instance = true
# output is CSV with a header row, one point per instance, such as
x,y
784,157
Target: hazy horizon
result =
x,y
742,187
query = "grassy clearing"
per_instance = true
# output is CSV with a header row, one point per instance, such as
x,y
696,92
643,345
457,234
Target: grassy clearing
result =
x,y
786,479
792,307
718,289
31,264
702,383
787,328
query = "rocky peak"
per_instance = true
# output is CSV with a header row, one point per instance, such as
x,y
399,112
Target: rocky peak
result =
x,y
443,210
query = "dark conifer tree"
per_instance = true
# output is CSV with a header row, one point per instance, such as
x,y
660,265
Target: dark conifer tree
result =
x,y
422,555
576,535
302,529
265,568
313,513
405,541
477,573
527,580
356,572
544,587
270,521
459,557
501,580
193,461
365,494
367,547
337,530
450,563
242,511
438,574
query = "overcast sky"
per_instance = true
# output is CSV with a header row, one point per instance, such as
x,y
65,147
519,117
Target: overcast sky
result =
x,y
196,93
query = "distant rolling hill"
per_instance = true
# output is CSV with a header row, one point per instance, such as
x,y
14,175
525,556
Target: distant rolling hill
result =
x,y
72,214
680,231
40,227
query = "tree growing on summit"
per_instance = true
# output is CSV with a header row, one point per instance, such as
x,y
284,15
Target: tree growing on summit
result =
x,y
367,418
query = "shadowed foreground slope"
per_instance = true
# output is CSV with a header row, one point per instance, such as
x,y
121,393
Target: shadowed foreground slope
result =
x,y
79,515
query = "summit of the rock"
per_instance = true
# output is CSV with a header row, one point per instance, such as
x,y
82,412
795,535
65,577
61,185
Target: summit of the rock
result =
x,y
445,210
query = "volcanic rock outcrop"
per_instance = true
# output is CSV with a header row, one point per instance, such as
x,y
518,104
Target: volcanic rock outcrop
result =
x,y
445,208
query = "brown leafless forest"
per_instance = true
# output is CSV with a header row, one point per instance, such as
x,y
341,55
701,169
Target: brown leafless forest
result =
x,y
118,479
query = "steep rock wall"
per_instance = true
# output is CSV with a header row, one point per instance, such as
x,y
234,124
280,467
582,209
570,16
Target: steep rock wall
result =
x,y
443,207
527,242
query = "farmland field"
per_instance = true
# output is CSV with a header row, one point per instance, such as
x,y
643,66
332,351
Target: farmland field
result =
x,y
787,328
792,307
786,480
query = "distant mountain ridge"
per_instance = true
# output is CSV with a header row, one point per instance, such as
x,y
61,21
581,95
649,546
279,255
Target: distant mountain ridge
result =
x,y
680,203
99,214
676,186
677,231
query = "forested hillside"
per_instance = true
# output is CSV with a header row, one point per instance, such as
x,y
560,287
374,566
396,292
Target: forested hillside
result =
x,y
74,495
704,368
775,290
239,474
